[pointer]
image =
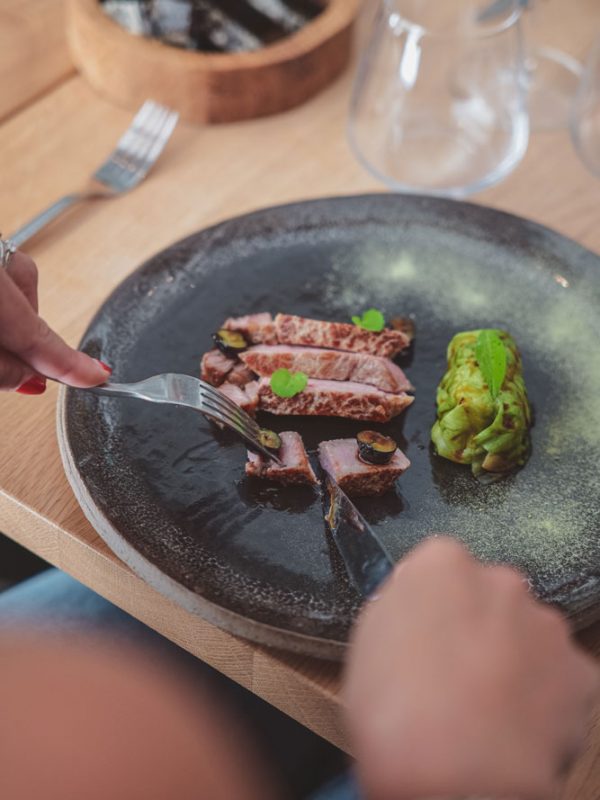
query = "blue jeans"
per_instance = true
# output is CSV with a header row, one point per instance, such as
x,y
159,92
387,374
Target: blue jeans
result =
x,y
304,761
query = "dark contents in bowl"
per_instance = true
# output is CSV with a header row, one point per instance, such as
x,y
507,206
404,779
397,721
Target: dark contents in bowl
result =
x,y
216,26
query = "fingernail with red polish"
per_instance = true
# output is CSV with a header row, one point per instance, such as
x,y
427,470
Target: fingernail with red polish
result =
x,y
34,385
104,366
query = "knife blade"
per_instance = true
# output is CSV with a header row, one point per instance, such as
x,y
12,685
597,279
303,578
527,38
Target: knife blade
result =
x,y
365,558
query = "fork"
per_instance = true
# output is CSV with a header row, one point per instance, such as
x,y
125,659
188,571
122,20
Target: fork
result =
x,y
184,390
135,154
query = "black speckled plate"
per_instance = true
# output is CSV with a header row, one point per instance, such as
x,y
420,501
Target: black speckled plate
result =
x,y
168,493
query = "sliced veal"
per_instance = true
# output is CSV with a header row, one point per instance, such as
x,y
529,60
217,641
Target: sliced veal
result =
x,y
339,457
216,368
336,399
339,336
256,328
295,467
245,397
334,365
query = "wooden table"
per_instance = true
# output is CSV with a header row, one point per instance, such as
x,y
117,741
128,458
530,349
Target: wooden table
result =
x,y
54,131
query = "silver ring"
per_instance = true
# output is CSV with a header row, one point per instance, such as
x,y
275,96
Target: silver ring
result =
x,y
7,250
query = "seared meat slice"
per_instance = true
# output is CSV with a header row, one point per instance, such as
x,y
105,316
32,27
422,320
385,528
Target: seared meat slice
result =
x,y
332,365
339,458
339,336
404,324
336,399
245,397
251,392
240,374
296,467
215,367
256,328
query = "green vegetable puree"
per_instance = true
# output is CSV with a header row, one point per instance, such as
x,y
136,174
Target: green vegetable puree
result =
x,y
471,427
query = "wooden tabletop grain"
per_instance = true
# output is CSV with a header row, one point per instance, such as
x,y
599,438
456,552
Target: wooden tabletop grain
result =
x,y
54,131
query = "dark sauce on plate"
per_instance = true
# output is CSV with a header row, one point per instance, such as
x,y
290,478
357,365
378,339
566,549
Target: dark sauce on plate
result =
x,y
214,26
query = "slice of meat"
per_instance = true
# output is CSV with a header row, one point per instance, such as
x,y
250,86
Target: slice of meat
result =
x,y
404,324
245,397
215,367
334,365
256,328
251,392
339,336
295,469
240,374
339,457
336,399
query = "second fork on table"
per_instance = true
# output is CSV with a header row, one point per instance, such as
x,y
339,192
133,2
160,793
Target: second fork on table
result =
x,y
126,167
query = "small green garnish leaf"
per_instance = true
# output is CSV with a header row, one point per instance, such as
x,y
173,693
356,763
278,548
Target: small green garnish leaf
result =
x,y
288,384
371,320
490,353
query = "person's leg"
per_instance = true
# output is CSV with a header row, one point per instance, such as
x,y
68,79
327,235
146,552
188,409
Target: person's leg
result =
x,y
53,599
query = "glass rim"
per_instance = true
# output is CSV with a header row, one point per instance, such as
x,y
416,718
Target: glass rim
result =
x,y
509,18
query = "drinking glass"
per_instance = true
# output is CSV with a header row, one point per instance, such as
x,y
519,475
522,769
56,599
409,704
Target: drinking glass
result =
x,y
585,119
439,103
552,74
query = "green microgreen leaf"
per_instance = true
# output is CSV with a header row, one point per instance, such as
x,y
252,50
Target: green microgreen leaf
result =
x,y
288,384
490,353
371,320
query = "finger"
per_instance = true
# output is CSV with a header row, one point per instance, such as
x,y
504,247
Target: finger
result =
x,y
587,683
505,581
30,339
438,552
590,678
24,273
14,374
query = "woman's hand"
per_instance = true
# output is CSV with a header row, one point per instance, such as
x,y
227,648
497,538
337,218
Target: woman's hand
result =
x,y
30,351
460,683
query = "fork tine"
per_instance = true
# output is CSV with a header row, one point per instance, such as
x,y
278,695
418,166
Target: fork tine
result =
x,y
138,123
139,139
233,416
167,128
139,120
140,163
249,438
139,147
226,419
133,157
222,401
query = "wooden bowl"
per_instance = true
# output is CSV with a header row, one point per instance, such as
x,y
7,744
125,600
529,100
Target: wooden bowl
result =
x,y
210,87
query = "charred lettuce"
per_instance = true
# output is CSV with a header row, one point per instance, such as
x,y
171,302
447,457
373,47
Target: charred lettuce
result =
x,y
485,427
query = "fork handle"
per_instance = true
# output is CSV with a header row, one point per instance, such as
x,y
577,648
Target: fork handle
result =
x,y
138,390
121,390
36,224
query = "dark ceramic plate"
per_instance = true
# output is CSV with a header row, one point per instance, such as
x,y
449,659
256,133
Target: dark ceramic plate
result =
x,y
168,493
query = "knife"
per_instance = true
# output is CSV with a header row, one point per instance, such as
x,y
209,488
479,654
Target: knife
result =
x,y
365,558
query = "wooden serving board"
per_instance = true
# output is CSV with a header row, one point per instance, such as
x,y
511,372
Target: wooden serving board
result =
x,y
210,87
